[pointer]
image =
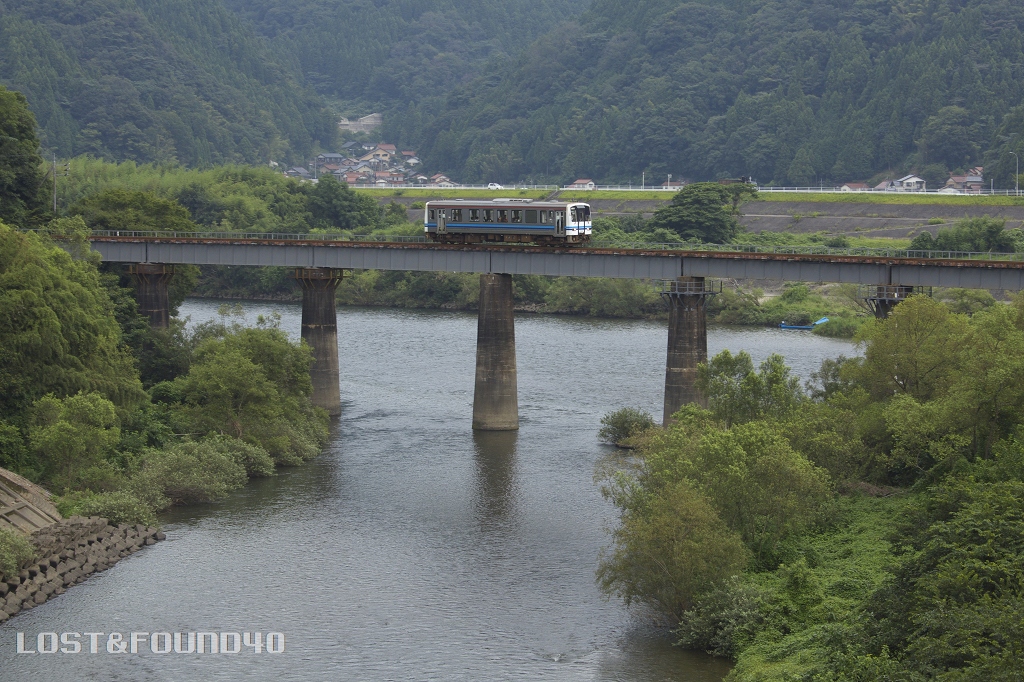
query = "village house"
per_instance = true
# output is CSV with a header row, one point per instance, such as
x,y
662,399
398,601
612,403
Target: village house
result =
x,y
378,155
582,183
330,157
854,187
369,163
910,183
971,183
673,184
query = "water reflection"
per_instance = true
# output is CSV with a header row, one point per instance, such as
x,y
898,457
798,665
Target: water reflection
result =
x,y
495,458
413,548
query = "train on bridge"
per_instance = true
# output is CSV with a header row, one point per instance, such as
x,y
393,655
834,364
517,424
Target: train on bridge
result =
x,y
475,221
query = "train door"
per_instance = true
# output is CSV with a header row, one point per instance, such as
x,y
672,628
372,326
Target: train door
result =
x,y
442,222
560,224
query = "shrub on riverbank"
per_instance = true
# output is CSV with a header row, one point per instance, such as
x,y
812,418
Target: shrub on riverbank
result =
x,y
619,426
187,473
911,573
117,507
14,551
251,384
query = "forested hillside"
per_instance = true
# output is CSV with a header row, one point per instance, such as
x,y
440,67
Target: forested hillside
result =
x,y
156,80
787,91
400,52
791,92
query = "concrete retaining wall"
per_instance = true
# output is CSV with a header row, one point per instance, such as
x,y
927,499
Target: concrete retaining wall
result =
x,y
67,552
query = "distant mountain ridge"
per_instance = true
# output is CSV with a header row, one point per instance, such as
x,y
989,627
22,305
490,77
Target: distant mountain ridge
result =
x,y
204,82
793,92
156,80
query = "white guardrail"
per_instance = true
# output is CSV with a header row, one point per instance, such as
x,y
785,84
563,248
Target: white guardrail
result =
x,y
637,188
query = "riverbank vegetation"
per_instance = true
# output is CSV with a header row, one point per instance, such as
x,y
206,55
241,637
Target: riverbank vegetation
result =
x,y
864,526
243,199
123,421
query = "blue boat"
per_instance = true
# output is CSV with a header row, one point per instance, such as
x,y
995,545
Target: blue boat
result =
x,y
803,326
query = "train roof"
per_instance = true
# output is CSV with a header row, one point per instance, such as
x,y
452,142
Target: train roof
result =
x,y
506,202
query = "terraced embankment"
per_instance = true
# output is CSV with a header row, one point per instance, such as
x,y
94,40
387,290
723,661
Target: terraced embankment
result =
x,y
866,219
67,551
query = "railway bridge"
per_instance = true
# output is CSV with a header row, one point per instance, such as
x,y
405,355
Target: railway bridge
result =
x,y
320,262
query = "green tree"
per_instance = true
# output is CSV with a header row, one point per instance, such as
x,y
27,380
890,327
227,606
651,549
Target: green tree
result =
x,y
759,485
914,351
119,209
57,331
21,197
948,137
970,234
670,552
73,437
700,211
253,385
737,394
334,206
953,608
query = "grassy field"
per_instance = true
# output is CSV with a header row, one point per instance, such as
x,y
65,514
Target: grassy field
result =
x,y
418,193
614,195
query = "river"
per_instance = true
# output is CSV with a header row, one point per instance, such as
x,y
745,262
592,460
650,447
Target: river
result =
x,y
412,548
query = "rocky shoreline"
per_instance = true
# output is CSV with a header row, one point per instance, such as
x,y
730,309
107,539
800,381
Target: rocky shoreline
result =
x,y
68,552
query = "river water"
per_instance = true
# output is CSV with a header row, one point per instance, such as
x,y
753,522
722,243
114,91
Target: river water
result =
x,y
412,548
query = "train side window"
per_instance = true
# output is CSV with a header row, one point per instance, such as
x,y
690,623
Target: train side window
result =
x,y
531,217
544,217
456,215
502,215
474,215
433,214
488,215
517,216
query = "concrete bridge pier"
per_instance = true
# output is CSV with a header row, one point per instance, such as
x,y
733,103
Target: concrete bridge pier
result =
x,y
687,342
495,396
151,282
320,331
884,297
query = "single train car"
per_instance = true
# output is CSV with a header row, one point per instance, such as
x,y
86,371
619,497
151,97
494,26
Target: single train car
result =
x,y
474,221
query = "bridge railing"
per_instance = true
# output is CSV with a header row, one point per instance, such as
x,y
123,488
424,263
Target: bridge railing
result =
x,y
802,250
272,236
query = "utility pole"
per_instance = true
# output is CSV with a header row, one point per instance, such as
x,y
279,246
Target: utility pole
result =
x,y
55,184
1016,177
643,179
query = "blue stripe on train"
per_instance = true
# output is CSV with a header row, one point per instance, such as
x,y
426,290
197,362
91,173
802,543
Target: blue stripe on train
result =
x,y
497,226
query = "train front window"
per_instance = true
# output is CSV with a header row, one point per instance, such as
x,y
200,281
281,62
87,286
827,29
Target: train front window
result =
x,y
580,214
